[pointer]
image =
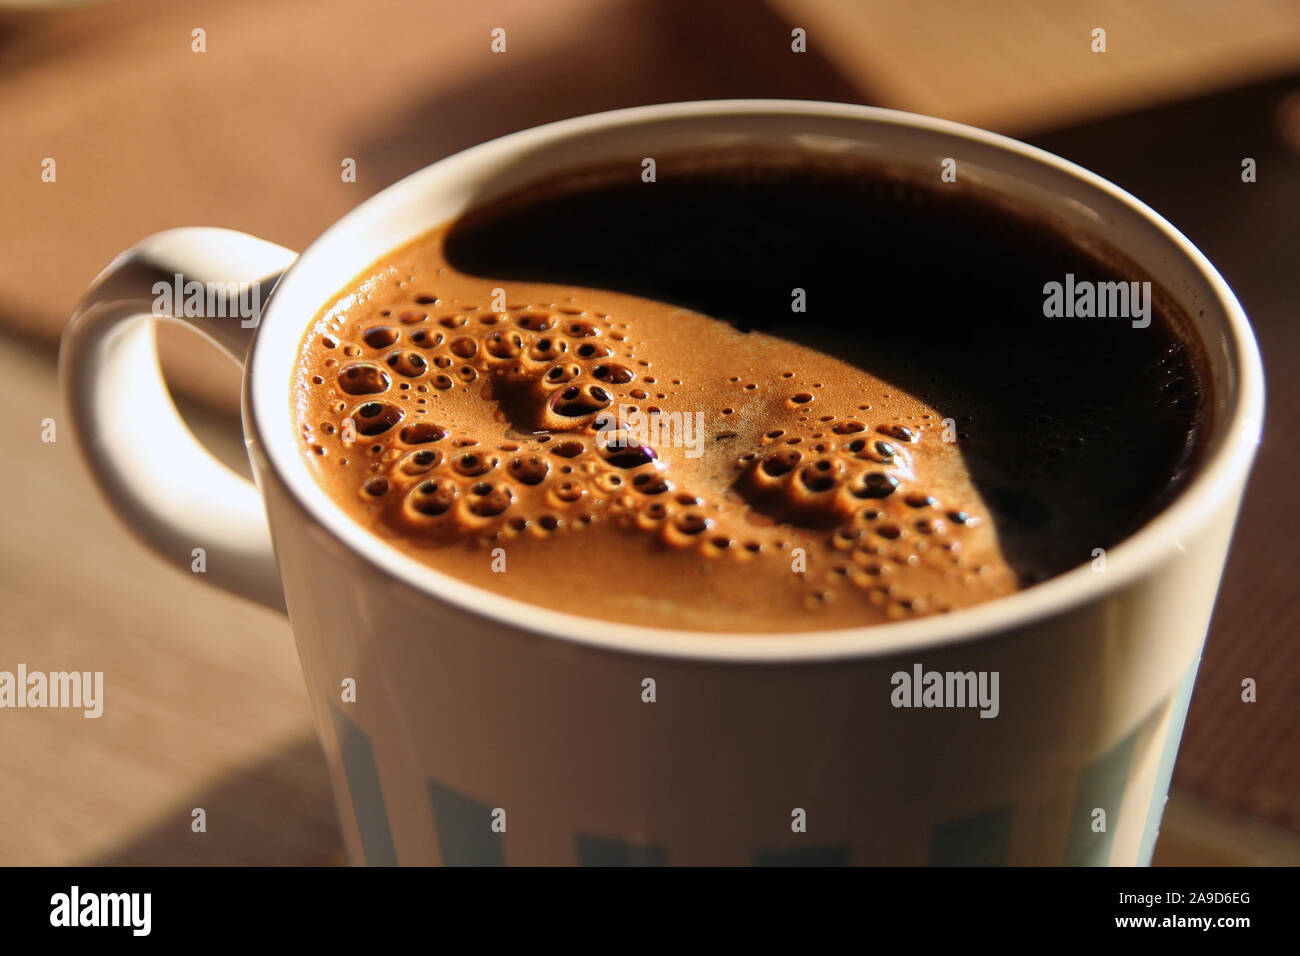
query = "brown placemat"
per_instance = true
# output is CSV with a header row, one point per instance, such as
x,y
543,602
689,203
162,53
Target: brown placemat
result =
x,y
1023,65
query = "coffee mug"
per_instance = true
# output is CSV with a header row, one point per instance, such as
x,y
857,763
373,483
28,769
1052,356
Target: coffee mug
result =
x,y
464,727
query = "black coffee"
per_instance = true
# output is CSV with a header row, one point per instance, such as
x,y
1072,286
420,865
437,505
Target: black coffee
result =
x,y
882,406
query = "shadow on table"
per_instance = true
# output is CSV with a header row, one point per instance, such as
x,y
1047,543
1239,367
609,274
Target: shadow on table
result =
x,y
628,54
277,812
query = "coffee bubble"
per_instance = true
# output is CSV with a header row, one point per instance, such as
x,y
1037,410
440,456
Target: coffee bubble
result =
x,y
534,321
569,449
819,476
380,336
362,378
463,347
900,432
650,483
473,463
568,492
420,433
691,523
609,482
529,469
629,455
433,497
547,349
779,463
488,499
577,401
876,484
427,338
613,373
559,374
375,418
409,364
503,344
420,462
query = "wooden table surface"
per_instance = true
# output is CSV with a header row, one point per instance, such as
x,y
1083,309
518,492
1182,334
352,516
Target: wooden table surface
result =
x,y
204,701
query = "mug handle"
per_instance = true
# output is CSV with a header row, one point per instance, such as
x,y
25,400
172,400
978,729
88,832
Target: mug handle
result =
x,y
169,490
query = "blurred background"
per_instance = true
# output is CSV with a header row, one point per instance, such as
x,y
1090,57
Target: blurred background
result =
x,y
205,705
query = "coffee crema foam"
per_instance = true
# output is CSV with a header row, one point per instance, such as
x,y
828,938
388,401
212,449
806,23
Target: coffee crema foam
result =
x,y
486,443
484,429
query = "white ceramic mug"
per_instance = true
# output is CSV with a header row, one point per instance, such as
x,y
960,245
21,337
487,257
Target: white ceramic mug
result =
x,y
488,731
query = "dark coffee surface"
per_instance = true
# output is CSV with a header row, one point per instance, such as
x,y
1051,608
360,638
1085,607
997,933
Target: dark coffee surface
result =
x,y
825,488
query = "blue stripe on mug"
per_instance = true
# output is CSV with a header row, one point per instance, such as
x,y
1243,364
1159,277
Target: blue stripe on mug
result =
x,y
1177,718
1101,786
365,792
464,827
829,855
979,840
608,851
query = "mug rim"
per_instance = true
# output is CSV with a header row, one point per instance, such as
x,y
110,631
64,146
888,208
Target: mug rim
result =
x,y
1199,502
